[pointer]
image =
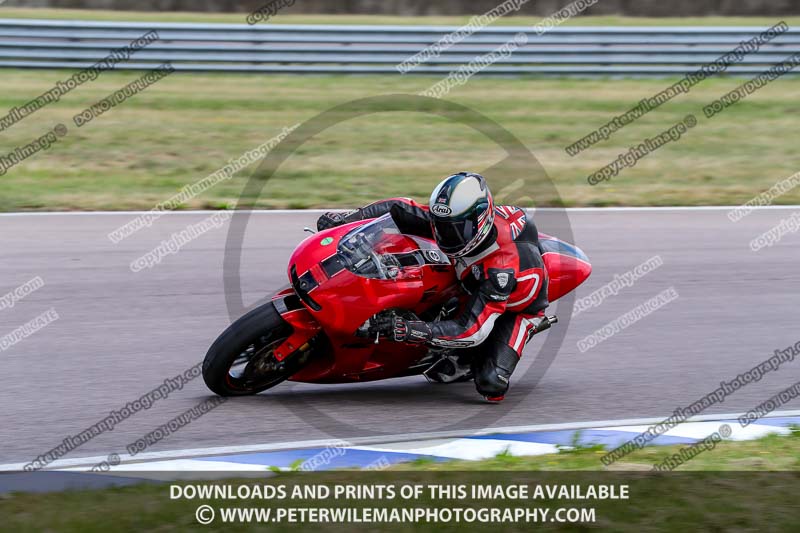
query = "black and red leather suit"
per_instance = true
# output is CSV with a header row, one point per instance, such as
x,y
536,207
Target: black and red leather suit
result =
x,y
507,283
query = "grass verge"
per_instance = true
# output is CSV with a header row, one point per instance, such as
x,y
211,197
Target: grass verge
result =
x,y
706,498
187,126
772,452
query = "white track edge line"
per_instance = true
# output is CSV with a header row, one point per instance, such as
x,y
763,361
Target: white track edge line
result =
x,y
191,453
319,211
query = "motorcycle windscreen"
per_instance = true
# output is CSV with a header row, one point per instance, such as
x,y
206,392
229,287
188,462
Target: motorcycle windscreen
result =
x,y
379,251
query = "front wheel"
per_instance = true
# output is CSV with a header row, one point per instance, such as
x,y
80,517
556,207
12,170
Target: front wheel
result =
x,y
242,360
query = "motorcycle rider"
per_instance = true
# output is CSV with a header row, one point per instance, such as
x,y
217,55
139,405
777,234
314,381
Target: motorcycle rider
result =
x,y
498,259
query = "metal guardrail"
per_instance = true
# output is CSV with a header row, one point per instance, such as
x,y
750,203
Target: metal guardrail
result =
x,y
635,51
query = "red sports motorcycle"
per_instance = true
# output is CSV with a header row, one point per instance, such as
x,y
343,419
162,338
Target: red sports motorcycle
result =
x,y
322,328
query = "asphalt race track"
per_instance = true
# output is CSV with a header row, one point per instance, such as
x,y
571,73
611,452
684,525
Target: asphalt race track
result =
x,y
120,333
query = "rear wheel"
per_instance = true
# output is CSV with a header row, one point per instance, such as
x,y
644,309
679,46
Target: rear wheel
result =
x,y
242,360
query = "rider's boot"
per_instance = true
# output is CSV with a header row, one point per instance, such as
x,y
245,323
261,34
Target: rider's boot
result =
x,y
495,364
493,370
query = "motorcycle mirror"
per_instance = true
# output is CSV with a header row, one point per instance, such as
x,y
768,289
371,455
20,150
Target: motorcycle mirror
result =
x,y
309,230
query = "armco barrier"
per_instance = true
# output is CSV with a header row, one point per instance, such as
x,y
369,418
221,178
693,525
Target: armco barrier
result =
x,y
564,51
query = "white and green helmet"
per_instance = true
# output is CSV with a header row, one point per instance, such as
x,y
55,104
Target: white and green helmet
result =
x,y
462,213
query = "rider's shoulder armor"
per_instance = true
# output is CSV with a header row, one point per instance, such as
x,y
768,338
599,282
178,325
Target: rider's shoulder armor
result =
x,y
510,220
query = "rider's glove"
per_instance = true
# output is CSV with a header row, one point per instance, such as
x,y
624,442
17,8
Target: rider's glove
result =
x,y
410,331
331,220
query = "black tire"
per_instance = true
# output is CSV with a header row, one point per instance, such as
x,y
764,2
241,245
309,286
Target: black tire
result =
x,y
249,341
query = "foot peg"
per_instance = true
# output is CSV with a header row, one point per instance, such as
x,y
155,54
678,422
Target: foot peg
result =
x,y
543,323
448,370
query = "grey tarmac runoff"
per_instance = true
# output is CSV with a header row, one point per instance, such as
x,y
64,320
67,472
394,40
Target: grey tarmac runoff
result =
x,y
120,333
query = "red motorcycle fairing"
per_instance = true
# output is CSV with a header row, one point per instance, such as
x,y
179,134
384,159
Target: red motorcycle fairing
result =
x,y
304,326
566,266
349,358
345,275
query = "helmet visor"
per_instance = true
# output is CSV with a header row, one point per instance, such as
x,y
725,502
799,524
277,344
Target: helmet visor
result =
x,y
453,235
